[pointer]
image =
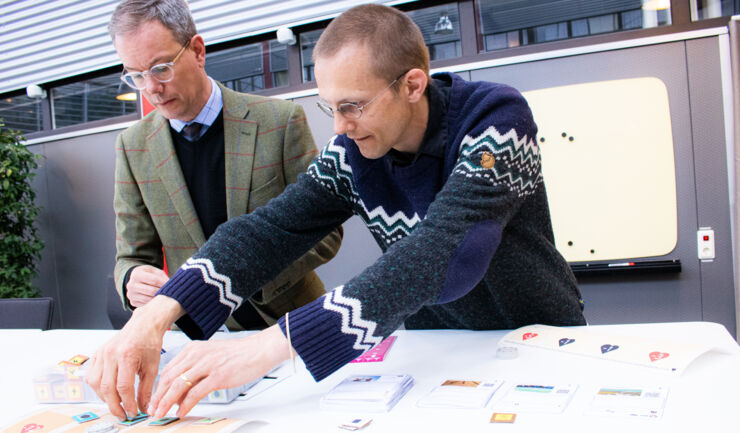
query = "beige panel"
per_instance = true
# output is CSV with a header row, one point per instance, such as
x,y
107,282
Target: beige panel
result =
x,y
612,188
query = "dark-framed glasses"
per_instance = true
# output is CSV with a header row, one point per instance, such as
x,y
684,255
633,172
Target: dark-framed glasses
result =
x,y
353,110
163,72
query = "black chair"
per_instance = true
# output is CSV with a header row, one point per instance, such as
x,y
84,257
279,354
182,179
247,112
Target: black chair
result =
x,y
26,313
116,314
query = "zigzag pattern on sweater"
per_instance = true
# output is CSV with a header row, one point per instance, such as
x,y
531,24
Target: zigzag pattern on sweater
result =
x,y
352,323
517,160
333,172
220,281
390,228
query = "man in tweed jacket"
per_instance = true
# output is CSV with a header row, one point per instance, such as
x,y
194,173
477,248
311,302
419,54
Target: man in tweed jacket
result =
x,y
171,191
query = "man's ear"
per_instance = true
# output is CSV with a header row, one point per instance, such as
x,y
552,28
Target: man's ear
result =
x,y
199,48
416,82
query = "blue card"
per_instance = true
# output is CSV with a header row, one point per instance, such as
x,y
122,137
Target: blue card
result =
x,y
135,420
85,417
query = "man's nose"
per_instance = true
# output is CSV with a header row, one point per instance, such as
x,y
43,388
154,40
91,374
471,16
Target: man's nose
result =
x,y
342,125
152,84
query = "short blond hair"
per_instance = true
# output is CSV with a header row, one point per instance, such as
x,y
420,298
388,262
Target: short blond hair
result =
x,y
393,39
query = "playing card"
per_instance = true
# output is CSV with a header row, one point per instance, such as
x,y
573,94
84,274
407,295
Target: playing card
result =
x,y
164,421
85,417
135,420
206,421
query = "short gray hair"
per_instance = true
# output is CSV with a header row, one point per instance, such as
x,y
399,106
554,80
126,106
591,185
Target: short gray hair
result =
x,y
173,14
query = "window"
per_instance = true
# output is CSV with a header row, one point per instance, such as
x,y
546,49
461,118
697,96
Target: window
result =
x,y
251,68
21,113
631,20
89,100
440,26
705,9
507,24
279,63
308,41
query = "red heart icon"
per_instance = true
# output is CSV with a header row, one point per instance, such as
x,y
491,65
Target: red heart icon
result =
x,y
654,356
529,335
31,427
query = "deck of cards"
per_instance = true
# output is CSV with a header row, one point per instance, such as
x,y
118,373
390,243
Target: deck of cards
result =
x,y
135,420
367,393
536,398
461,394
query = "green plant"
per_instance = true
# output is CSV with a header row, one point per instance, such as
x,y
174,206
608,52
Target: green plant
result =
x,y
20,244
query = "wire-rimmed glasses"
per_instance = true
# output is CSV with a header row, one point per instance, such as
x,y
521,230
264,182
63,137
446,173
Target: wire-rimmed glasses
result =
x,y
353,110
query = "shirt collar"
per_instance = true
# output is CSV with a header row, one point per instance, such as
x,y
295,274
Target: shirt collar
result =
x,y
435,136
208,114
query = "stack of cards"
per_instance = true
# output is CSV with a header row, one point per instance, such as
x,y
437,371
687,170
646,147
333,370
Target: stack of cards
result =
x,y
461,394
367,393
135,420
629,402
541,398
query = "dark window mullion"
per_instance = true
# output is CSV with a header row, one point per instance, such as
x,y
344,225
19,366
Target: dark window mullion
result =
x,y
46,112
680,12
468,28
295,68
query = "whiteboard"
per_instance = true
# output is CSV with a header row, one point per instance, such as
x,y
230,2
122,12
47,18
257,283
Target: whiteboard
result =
x,y
608,166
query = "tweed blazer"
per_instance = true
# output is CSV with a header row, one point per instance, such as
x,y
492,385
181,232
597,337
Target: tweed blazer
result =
x,y
267,144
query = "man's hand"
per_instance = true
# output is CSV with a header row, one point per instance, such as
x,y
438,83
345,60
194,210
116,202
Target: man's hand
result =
x,y
143,283
205,366
135,350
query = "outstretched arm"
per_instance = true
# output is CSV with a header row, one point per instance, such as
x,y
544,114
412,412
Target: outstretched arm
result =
x,y
254,248
248,251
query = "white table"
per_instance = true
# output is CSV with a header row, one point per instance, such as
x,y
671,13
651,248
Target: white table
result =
x,y
703,398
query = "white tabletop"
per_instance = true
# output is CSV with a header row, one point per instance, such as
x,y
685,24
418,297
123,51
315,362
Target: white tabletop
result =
x,y
703,398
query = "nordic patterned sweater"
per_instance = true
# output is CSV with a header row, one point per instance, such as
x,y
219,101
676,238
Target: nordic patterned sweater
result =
x,y
466,238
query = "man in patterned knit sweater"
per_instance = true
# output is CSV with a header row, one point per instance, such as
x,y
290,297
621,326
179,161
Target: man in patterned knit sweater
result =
x,y
446,175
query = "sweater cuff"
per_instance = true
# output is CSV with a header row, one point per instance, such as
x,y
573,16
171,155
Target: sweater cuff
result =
x,y
329,333
205,296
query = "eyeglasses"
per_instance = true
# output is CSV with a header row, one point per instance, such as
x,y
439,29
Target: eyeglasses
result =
x,y
163,72
353,110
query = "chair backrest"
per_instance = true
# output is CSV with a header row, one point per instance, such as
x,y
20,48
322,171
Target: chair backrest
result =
x,y
31,313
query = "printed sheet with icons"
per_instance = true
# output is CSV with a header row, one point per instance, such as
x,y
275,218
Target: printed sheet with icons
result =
x,y
669,356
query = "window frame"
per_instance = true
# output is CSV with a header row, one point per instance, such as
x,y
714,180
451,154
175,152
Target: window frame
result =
x,y
470,38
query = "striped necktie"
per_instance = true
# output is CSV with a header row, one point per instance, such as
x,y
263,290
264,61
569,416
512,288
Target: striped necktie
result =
x,y
191,131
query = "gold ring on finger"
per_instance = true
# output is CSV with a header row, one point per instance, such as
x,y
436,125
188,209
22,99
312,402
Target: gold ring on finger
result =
x,y
185,379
